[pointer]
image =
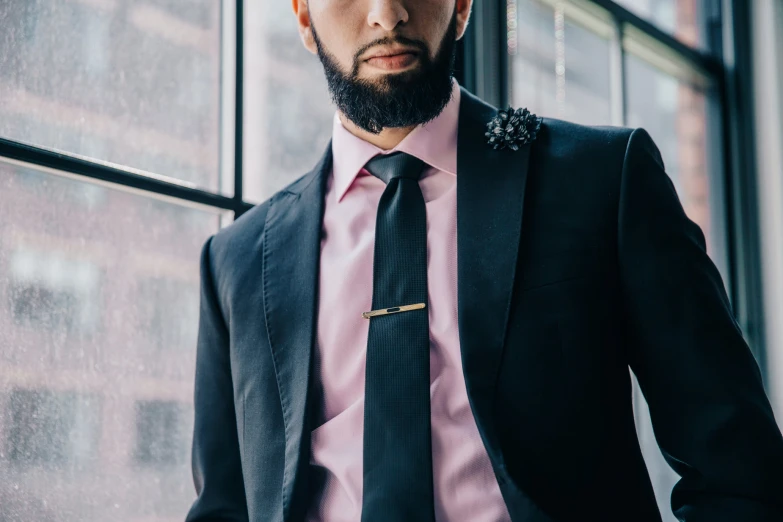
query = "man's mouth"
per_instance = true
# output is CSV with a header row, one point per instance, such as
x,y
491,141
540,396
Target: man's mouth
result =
x,y
394,62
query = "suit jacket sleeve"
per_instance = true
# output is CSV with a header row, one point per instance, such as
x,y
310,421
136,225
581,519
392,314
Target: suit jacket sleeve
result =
x,y
710,414
217,472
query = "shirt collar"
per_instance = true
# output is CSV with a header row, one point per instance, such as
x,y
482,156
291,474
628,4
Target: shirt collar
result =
x,y
435,143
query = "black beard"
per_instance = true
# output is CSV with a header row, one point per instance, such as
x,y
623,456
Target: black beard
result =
x,y
403,99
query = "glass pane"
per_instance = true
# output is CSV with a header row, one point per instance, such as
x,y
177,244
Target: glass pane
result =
x,y
99,293
681,18
557,68
288,115
679,117
131,83
676,115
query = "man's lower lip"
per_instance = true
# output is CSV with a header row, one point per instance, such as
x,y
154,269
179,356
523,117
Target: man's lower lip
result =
x,y
398,61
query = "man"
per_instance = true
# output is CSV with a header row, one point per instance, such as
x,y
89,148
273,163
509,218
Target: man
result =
x,y
437,322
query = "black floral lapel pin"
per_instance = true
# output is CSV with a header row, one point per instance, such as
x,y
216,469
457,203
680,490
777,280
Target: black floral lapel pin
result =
x,y
512,128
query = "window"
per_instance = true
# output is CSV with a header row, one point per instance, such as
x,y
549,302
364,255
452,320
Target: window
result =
x,y
52,292
132,83
160,437
289,117
173,312
98,320
674,106
117,149
559,62
684,19
51,429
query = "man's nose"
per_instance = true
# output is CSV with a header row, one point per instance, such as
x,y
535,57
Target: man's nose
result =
x,y
387,14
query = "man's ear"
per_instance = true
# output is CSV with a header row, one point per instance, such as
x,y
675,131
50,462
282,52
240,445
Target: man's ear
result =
x,y
463,15
302,12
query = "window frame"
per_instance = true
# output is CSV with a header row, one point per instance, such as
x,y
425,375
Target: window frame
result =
x,y
158,184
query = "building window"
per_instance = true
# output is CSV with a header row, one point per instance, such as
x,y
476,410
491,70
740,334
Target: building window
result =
x,y
160,439
53,429
51,291
168,321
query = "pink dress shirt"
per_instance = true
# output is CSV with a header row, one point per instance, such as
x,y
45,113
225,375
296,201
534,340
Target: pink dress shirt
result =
x,y
465,485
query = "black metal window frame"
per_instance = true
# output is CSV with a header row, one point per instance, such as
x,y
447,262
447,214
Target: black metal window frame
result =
x,y
482,67
131,178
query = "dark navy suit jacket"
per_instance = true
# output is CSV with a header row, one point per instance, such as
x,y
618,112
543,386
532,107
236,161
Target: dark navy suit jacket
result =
x,y
575,262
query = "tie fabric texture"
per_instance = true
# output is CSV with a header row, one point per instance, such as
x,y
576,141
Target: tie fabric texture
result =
x,y
397,453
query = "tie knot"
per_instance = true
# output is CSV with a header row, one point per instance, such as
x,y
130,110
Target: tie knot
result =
x,y
395,165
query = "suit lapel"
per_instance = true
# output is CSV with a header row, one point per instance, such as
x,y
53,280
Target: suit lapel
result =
x,y
490,198
292,247
490,202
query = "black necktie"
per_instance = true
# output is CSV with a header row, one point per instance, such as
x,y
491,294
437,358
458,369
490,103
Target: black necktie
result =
x,y
397,440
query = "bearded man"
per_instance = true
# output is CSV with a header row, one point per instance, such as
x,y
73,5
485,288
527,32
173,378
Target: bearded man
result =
x,y
437,322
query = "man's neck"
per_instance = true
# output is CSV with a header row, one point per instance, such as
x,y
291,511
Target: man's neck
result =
x,y
387,139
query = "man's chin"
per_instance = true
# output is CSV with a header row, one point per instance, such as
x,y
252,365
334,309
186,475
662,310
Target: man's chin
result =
x,y
399,84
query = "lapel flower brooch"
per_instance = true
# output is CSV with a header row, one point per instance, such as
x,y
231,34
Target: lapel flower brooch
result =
x,y
512,128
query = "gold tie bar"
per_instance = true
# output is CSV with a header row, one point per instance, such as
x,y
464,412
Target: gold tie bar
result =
x,y
393,310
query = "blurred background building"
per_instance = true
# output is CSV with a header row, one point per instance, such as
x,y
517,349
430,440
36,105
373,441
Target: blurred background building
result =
x,y
131,130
